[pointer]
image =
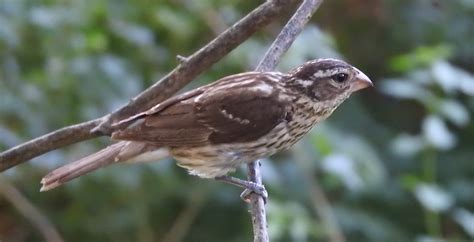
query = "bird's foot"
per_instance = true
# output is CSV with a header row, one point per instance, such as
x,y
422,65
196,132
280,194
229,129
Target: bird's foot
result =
x,y
257,189
250,187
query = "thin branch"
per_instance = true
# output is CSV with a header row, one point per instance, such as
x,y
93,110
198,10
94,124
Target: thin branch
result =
x,y
281,44
188,70
29,211
257,205
195,64
54,140
288,34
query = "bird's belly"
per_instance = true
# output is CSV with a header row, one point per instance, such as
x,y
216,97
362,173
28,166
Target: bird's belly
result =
x,y
217,160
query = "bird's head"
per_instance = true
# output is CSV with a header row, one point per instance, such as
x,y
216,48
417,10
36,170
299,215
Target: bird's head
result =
x,y
327,80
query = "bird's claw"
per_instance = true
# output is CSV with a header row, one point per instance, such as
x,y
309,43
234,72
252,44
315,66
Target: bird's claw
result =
x,y
254,188
250,187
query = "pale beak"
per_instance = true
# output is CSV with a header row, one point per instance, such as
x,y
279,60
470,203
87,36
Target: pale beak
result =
x,y
361,81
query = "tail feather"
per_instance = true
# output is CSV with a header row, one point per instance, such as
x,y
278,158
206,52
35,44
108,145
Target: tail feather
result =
x,y
119,152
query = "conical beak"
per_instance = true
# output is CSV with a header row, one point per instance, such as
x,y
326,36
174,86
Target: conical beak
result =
x,y
361,81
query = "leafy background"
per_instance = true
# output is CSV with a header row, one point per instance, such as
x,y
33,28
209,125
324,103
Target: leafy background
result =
x,y
394,163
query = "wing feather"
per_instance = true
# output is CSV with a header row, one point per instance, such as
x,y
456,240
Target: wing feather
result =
x,y
223,112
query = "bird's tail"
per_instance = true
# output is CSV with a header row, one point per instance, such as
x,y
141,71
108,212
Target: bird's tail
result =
x,y
118,152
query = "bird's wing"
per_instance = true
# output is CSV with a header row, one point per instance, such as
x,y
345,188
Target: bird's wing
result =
x,y
238,108
243,114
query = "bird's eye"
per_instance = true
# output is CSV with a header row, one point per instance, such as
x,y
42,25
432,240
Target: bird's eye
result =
x,y
340,77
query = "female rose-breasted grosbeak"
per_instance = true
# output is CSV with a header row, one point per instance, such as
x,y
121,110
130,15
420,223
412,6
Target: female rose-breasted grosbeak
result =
x,y
240,118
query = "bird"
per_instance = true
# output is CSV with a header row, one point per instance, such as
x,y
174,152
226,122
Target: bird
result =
x,y
214,129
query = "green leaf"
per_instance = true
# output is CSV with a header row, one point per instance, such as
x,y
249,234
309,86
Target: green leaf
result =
x,y
420,57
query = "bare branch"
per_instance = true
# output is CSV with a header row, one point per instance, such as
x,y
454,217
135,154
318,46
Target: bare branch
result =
x,y
189,68
288,34
257,205
27,209
281,44
195,64
54,140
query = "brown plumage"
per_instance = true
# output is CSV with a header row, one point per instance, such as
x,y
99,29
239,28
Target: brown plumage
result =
x,y
213,129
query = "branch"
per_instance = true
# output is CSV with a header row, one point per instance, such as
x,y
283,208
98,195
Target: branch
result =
x,y
288,34
189,68
281,44
195,64
37,219
257,205
56,139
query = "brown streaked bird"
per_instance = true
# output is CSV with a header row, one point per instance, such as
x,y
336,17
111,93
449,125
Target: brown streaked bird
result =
x,y
214,129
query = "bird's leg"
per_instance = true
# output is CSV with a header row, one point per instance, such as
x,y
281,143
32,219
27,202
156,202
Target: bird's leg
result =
x,y
248,185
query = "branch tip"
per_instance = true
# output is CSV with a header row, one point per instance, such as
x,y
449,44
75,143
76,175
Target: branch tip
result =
x,y
181,59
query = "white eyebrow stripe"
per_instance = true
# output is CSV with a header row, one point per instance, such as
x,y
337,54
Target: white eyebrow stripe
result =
x,y
328,73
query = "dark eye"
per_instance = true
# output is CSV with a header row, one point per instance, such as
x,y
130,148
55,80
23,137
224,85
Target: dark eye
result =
x,y
341,77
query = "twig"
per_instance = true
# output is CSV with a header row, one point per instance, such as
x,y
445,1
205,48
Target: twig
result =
x,y
281,44
56,139
188,69
257,205
195,64
288,34
37,219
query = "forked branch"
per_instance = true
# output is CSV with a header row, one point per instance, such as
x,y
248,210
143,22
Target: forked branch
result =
x,y
273,55
189,68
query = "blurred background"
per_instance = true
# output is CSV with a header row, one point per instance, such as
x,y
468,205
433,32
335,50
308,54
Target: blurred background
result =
x,y
393,163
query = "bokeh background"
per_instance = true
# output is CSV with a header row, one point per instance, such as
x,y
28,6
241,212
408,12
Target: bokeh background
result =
x,y
394,163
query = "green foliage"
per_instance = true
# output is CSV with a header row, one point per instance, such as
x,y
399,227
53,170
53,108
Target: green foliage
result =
x,y
393,163
421,57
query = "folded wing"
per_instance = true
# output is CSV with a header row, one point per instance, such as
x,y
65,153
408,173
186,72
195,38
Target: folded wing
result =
x,y
224,112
